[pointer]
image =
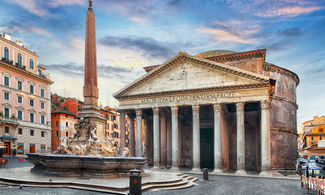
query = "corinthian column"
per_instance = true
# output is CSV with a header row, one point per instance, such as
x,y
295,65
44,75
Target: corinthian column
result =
x,y
175,154
240,139
139,152
217,137
265,137
196,137
156,141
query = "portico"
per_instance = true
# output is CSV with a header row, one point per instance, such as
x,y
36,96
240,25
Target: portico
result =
x,y
198,113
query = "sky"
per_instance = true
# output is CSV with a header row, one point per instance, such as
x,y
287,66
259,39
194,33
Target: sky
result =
x,y
132,34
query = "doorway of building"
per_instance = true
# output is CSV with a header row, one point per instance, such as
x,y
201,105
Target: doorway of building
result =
x,y
206,148
7,148
32,148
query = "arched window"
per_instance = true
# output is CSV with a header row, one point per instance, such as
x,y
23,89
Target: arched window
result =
x,y
19,60
6,52
31,64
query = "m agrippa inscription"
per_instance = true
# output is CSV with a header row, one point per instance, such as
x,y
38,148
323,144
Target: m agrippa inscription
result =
x,y
186,98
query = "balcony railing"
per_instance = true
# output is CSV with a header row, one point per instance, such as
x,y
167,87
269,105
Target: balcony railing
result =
x,y
7,120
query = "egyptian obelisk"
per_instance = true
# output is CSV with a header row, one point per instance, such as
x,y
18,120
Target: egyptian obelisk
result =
x,y
90,110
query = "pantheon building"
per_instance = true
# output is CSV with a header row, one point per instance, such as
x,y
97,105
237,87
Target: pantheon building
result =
x,y
220,109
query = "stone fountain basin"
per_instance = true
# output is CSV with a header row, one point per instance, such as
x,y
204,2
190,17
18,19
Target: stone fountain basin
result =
x,y
65,164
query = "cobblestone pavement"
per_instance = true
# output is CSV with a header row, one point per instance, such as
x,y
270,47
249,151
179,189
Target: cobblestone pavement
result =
x,y
216,185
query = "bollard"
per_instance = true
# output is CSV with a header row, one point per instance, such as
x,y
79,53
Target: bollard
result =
x,y
135,182
205,174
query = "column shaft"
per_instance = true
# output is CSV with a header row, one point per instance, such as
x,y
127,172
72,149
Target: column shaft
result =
x,y
163,139
156,135
122,128
240,138
196,137
217,136
139,152
265,136
175,145
132,136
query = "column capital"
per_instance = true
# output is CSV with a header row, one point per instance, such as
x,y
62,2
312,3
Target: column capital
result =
x,y
217,107
240,106
265,104
138,112
174,109
195,108
155,110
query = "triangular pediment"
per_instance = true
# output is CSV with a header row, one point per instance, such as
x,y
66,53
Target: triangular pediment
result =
x,y
185,72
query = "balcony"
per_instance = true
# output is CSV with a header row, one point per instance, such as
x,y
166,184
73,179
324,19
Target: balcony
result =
x,y
10,121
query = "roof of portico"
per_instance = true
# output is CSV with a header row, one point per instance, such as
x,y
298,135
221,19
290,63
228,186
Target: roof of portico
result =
x,y
181,57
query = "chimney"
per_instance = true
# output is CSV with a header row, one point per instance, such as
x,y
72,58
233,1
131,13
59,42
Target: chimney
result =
x,y
19,42
7,36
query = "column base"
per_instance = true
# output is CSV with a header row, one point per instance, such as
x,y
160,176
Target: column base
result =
x,y
266,173
196,170
176,169
241,172
156,167
217,171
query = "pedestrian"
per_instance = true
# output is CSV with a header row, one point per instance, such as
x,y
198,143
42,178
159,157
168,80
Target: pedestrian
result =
x,y
1,152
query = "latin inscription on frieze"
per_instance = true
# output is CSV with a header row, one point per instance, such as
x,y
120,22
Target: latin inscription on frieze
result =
x,y
186,98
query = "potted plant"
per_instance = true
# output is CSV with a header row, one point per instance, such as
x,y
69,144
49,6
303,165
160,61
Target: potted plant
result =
x,y
1,114
13,116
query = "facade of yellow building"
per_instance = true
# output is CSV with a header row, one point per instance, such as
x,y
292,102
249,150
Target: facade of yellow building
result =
x,y
313,131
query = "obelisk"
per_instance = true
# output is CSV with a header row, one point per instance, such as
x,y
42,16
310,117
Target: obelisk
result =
x,y
90,110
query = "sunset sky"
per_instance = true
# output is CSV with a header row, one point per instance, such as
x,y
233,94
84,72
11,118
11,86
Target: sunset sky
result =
x,y
136,33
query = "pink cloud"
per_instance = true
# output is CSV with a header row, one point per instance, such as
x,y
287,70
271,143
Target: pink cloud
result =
x,y
289,11
57,3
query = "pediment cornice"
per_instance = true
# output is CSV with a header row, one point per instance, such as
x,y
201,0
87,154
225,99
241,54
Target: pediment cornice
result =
x,y
182,57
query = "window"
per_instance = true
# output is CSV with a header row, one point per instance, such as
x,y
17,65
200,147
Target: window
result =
x,y
115,134
6,81
40,72
42,92
6,96
67,133
43,148
57,123
7,112
31,102
31,64
6,129
31,132
20,115
56,133
20,60
115,126
42,119
19,99
42,105
66,124
31,89
106,116
31,117
20,131
20,148
20,85
312,138
42,134
6,53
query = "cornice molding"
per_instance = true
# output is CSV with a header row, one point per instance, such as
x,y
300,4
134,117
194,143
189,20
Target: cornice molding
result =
x,y
182,92
273,68
19,70
238,56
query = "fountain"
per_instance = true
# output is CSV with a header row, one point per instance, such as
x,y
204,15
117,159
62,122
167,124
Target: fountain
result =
x,y
89,152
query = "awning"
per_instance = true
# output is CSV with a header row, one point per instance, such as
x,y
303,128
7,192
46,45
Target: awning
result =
x,y
7,137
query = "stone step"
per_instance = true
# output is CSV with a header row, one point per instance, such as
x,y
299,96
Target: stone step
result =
x,y
163,186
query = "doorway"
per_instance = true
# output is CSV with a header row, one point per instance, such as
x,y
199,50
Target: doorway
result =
x,y
7,148
206,148
32,148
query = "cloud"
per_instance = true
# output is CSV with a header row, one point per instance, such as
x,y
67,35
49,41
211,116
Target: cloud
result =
x,y
289,11
33,6
290,32
225,36
40,31
148,45
57,3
